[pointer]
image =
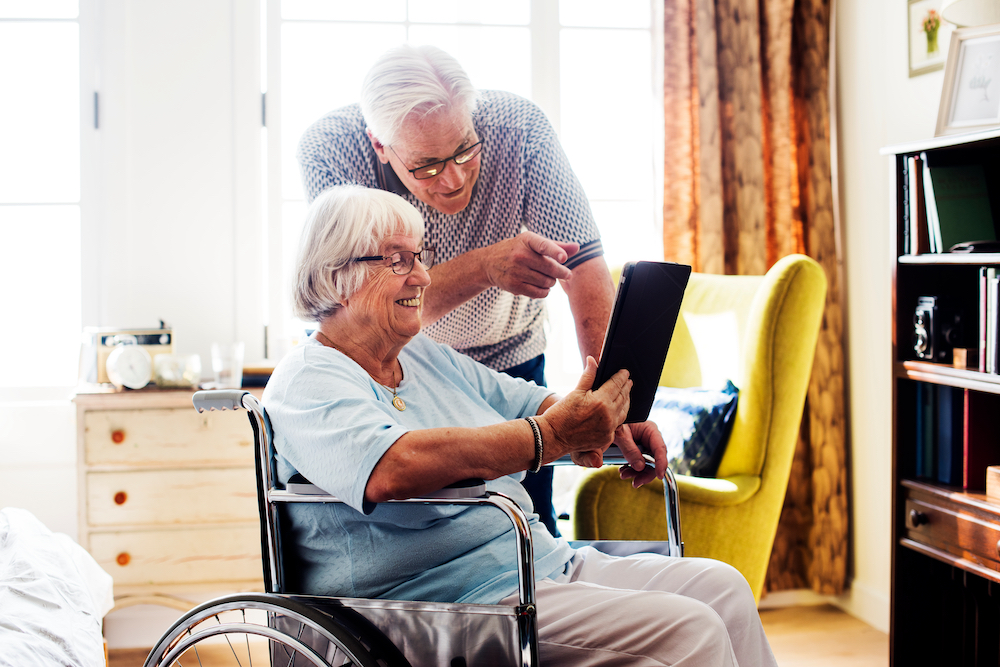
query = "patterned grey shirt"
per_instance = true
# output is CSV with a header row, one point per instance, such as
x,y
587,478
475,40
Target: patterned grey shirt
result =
x,y
525,182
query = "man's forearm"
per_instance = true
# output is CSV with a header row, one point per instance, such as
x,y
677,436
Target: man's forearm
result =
x,y
591,296
452,284
527,265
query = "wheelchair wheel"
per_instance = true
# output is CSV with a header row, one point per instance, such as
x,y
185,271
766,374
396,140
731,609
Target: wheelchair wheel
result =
x,y
257,629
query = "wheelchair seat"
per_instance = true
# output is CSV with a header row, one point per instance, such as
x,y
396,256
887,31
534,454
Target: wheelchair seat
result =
x,y
290,628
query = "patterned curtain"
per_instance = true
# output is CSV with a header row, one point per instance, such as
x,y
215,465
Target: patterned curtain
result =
x,y
747,180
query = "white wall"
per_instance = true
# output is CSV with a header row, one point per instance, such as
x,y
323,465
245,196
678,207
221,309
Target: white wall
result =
x,y
879,105
177,210
171,225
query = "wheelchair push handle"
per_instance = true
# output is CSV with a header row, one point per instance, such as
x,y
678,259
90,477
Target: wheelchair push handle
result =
x,y
218,399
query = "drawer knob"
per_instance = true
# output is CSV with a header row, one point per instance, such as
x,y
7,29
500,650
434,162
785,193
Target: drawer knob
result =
x,y
118,436
123,558
120,498
918,519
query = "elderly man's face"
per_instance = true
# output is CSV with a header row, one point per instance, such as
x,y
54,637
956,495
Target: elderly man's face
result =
x,y
436,138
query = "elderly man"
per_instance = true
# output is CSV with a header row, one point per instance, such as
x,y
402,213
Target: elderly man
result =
x,y
504,212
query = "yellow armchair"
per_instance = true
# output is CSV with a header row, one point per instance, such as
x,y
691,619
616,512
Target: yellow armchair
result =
x,y
760,332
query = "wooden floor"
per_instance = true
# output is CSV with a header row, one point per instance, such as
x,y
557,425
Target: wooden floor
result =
x,y
814,636
823,636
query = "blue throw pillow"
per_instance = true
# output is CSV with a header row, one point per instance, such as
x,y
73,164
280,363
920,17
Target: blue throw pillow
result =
x,y
695,423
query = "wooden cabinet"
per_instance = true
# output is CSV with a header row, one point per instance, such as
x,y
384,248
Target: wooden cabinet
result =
x,y
167,496
945,600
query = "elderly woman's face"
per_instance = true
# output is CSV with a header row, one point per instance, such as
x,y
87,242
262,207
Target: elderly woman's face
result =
x,y
390,302
439,137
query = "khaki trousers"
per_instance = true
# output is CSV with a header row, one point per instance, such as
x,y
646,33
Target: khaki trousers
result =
x,y
648,610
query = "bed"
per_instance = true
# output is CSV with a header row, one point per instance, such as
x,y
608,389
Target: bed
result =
x,y
53,596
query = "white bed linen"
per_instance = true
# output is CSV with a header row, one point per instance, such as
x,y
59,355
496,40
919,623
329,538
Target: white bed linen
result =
x,y
53,596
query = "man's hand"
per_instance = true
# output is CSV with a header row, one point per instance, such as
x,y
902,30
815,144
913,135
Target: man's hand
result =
x,y
529,264
633,440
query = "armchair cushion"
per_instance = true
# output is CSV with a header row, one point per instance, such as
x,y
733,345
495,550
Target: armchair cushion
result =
x,y
695,423
718,491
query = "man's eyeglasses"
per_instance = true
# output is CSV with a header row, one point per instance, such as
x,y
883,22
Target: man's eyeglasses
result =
x,y
401,262
434,168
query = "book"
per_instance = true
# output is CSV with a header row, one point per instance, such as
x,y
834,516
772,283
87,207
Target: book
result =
x,y
991,320
926,430
919,239
930,206
961,203
981,446
983,315
905,188
950,429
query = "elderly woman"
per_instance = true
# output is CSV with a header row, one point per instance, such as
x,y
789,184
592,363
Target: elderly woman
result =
x,y
369,409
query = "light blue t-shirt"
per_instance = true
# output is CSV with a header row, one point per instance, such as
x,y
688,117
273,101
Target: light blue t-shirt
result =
x,y
332,423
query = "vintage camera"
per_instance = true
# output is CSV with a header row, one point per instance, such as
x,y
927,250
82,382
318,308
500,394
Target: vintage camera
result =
x,y
937,330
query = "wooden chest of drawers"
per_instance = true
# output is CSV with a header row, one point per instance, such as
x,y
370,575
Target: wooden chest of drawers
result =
x,y
167,496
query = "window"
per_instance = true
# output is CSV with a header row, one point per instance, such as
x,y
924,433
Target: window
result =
x,y
588,64
40,193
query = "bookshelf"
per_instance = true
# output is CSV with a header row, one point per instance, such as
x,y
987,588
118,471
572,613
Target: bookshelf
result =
x,y
945,597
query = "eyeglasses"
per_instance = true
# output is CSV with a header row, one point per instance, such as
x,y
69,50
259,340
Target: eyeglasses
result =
x,y
401,262
434,168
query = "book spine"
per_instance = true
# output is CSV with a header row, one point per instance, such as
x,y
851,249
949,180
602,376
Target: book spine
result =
x,y
918,445
991,320
930,429
930,206
983,315
926,454
905,183
966,439
918,211
950,432
980,438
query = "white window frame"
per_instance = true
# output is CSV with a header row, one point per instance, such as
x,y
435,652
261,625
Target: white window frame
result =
x,y
545,72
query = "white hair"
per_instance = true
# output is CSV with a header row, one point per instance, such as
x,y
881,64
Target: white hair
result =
x,y
345,222
413,81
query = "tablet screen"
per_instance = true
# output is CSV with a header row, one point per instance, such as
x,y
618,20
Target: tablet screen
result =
x,y
642,323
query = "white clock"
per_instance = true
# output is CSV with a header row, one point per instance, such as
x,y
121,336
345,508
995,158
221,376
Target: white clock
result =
x,y
129,366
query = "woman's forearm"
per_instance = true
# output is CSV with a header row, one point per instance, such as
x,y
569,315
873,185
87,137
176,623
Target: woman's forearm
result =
x,y
427,460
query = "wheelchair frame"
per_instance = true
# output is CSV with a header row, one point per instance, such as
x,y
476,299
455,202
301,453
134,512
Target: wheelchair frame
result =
x,y
376,632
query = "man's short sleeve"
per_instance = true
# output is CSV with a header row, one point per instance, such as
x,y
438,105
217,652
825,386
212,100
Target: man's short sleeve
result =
x,y
335,150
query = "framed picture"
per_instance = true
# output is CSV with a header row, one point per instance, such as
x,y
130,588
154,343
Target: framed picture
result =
x,y
929,36
970,96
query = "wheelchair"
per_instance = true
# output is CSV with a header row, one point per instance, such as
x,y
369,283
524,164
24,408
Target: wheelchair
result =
x,y
280,627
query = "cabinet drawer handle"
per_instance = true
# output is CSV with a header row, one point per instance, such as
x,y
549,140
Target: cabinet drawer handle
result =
x,y
918,519
120,498
123,559
118,436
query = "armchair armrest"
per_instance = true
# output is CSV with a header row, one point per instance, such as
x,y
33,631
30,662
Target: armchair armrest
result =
x,y
718,491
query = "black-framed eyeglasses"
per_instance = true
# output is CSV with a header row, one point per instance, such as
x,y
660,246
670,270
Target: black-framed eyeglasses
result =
x,y
434,168
401,262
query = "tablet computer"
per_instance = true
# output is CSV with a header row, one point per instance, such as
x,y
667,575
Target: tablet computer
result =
x,y
641,326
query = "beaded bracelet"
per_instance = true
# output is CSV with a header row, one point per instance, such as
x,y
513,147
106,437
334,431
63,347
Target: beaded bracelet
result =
x,y
537,464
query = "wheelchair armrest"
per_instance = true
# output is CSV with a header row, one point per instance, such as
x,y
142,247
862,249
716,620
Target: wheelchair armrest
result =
x,y
466,488
466,492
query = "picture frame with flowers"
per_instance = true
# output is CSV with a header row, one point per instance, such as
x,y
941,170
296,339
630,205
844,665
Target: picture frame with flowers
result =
x,y
929,36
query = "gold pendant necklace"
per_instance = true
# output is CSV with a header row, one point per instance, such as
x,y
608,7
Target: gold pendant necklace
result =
x,y
397,402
